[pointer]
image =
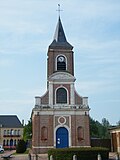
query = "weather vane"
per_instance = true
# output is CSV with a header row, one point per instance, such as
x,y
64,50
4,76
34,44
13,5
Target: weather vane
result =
x,y
59,10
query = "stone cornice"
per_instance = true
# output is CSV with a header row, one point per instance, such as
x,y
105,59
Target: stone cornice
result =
x,y
61,77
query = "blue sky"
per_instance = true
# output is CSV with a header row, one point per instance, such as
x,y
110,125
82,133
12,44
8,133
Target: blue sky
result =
x,y
26,30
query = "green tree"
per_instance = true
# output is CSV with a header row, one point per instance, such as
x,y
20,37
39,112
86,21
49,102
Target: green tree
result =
x,y
99,130
27,133
105,123
105,127
93,129
118,123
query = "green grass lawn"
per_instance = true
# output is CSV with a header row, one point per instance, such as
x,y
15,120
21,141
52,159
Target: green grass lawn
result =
x,y
26,152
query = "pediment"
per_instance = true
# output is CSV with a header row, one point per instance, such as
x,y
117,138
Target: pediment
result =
x,y
62,77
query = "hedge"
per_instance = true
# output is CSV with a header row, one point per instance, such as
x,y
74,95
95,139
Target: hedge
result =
x,y
82,153
21,147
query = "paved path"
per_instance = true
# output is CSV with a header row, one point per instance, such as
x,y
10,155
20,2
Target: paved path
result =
x,y
20,157
24,156
113,156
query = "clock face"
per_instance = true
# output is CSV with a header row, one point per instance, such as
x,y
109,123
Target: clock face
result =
x,y
61,59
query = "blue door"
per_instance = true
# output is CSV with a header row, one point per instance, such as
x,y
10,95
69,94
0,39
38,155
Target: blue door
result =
x,y
62,138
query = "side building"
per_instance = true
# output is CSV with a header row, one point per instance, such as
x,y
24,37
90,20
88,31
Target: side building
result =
x,y
11,131
115,138
60,117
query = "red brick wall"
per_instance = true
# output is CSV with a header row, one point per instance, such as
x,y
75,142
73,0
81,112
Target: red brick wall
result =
x,y
45,98
78,99
39,121
82,121
52,57
35,130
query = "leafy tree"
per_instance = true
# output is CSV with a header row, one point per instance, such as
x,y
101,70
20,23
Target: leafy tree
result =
x,y
105,127
105,123
93,128
27,133
118,123
99,130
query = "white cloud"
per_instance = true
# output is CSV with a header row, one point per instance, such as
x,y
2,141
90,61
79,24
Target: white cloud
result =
x,y
6,62
23,93
92,9
90,87
92,44
97,87
15,102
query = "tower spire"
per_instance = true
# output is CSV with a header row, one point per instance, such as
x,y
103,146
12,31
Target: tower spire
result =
x,y
59,35
59,39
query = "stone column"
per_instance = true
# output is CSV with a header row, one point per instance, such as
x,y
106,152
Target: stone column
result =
x,y
50,93
72,94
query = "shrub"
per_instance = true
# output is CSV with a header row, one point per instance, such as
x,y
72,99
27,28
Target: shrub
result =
x,y
82,153
21,147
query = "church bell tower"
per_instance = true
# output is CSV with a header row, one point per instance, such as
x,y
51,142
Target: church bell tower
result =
x,y
60,118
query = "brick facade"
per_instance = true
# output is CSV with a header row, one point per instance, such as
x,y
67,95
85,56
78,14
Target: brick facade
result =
x,y
56,119
60,118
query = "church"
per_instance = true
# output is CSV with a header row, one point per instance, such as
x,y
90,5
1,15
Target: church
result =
x,y
60,118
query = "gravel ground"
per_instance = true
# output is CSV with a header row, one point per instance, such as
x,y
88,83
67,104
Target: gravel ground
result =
x,y
24,156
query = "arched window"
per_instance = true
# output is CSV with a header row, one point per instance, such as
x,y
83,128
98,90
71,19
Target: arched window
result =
x,y
11,142
18,132
15,142
15,132
44,133
80,133
61,63
8,132
7,143
4,132
11,132
18,141
4,142
61,95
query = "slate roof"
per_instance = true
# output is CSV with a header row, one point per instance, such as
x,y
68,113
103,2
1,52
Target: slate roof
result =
x,y
114,128
59,39
10,121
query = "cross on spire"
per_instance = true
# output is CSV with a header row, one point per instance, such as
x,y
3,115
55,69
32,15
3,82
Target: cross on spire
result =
x,y
59,10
